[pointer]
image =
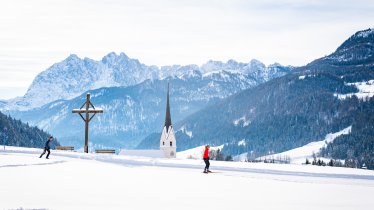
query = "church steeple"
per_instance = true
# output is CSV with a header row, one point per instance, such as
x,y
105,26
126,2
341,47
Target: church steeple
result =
x,y
168,143
167,117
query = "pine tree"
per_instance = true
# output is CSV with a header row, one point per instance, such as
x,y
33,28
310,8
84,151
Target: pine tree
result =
x,y
331,163
307,162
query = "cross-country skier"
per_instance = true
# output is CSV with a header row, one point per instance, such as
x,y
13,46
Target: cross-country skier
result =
x,y
206,159
47,147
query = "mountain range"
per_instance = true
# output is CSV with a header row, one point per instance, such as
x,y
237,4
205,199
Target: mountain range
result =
x,y
247,107
132,95
325,96
73,76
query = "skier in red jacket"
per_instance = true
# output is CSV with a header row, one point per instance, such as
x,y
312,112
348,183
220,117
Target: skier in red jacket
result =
x,y
206,159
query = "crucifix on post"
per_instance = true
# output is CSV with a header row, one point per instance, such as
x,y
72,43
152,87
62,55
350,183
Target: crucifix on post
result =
x,y
89,109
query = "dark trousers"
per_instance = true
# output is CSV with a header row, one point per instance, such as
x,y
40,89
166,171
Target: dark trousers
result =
x,y
207,164
45,150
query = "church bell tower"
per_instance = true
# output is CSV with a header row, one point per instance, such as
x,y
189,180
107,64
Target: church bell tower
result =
x,y
167,141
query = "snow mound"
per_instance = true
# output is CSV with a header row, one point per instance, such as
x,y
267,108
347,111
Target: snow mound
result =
x,y
196,153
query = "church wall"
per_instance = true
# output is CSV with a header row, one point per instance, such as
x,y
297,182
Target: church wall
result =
x,y
167,137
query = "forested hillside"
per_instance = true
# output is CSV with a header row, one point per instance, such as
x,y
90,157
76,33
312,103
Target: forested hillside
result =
x,y
16,133
325,96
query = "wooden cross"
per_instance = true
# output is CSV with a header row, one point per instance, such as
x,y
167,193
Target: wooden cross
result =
x,y
90,109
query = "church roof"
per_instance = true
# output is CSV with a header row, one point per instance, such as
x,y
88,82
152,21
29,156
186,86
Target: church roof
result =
x,y
167,117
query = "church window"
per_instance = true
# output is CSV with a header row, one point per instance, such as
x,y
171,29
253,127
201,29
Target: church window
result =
x,y
163,143
171,143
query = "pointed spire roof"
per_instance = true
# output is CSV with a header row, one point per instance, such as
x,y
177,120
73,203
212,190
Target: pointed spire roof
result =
x,y
167,117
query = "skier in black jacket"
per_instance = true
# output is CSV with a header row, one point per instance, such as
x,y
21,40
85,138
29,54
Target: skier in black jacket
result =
x,y
47,147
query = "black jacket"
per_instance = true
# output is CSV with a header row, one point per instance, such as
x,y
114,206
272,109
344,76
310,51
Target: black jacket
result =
x,y
48,144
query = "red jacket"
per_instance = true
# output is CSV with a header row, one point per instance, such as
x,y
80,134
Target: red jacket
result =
x,y
206,153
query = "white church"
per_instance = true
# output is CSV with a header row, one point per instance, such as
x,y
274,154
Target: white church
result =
x,y
168,142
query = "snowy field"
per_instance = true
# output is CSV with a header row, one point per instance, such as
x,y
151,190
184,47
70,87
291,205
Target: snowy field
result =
x,y
71,180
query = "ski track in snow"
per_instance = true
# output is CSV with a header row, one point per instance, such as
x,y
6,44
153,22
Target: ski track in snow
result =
x,y
36,164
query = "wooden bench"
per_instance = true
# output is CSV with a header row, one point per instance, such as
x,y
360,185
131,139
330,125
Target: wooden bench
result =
x,y
70,148
105,151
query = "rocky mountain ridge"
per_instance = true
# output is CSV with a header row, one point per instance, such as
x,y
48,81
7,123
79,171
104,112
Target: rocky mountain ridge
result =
x,y
73,76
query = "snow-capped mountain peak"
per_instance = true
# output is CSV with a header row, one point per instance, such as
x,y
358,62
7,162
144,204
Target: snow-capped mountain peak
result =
x,y
230,65
112,57
73,76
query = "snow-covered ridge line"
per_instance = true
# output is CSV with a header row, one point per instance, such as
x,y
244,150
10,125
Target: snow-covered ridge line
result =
x,y
73,76
365,33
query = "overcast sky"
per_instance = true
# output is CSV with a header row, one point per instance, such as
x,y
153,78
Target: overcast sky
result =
x,y
34,34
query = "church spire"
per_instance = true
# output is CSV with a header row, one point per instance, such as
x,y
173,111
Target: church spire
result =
x,y
168,143
167,117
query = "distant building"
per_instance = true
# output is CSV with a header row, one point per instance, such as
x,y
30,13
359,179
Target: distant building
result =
x,y
168,143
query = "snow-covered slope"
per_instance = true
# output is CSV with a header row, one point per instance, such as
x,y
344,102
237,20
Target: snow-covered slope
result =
x,y
299,155
365,91
71,180
196,153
